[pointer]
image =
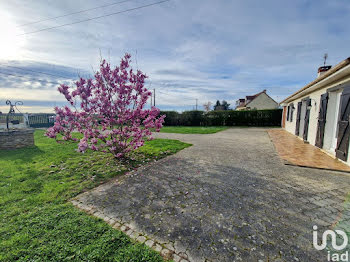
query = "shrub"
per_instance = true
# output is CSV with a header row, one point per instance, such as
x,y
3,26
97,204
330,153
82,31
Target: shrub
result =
x,y
224,118
172,118
191,118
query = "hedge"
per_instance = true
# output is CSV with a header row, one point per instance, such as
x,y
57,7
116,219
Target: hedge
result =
x,y
224,118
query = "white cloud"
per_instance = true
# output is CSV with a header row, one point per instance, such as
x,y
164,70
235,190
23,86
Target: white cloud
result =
x,y
200,49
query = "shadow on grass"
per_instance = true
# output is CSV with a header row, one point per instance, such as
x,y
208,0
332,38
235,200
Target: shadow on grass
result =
x,y
22,154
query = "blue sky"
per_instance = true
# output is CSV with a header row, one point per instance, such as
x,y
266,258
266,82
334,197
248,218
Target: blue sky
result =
x,y
193,49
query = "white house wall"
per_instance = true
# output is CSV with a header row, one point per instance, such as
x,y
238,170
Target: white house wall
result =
x,y
315,108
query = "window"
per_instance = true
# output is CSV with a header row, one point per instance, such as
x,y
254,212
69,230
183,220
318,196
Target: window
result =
x,y
290,111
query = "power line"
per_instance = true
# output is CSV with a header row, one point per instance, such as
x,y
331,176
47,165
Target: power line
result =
x,y
163,92
94,18
168,94
74,13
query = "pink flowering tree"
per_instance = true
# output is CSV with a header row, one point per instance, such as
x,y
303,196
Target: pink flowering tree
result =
x,y
108,111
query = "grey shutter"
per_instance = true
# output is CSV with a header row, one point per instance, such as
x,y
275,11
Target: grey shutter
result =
x,y
288,110
343,126
297,125
306,119
321,120
291,112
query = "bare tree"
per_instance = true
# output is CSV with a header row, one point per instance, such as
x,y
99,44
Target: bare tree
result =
x,y
207,106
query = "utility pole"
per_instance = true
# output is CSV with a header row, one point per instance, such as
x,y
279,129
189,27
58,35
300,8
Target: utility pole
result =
x,y
154,99
196,104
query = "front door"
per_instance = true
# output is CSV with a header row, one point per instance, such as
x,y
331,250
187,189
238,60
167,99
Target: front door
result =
x,y
343,126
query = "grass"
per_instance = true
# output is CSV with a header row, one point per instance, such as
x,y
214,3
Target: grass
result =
x,y
193,129
36,221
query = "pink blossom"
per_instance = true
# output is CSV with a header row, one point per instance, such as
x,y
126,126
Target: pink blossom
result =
x,y
108,110
82,146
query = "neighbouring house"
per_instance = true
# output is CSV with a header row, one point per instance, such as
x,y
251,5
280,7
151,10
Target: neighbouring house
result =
x,y
319,112
221,106
258,101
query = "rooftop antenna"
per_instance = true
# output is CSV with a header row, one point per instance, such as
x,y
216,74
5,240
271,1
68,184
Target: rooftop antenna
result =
x,y
325,59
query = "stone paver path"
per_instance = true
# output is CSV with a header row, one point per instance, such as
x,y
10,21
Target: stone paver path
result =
x,y
229,197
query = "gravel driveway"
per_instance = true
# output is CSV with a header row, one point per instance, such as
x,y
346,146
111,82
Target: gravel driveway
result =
x,y
229,197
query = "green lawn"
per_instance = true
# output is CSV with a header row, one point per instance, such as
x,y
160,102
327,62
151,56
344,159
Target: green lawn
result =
x,y
36,221
193,129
